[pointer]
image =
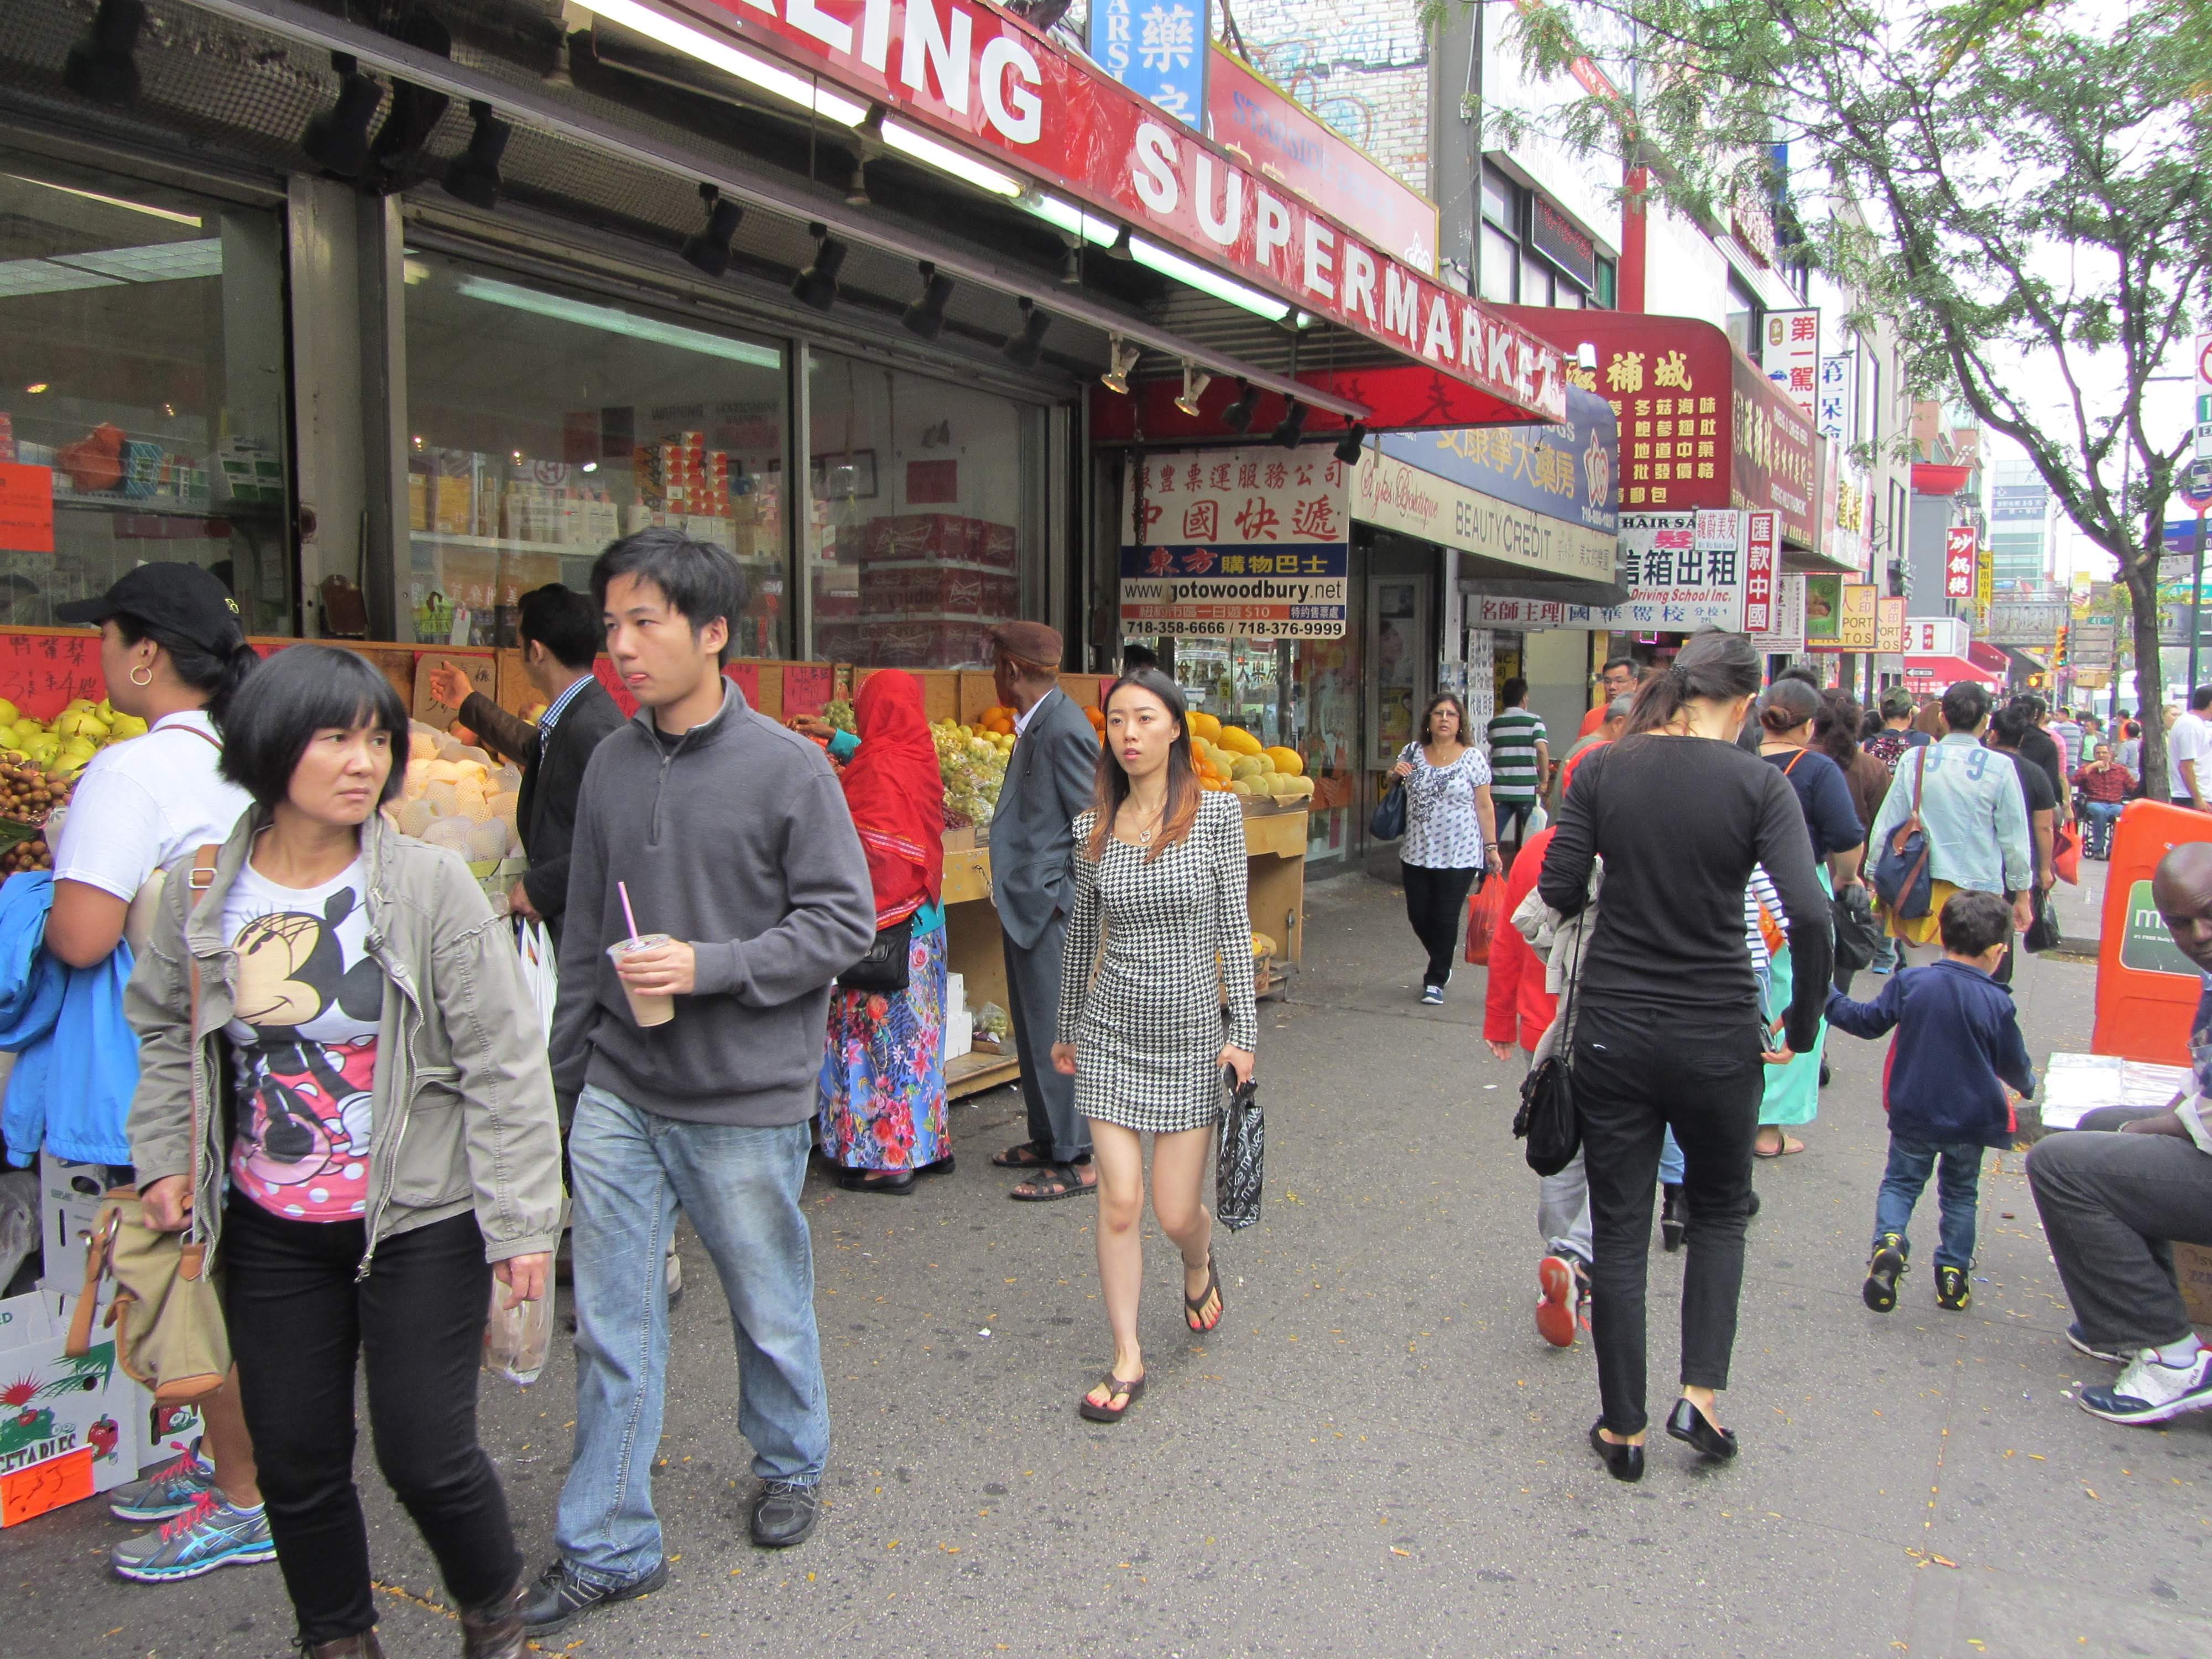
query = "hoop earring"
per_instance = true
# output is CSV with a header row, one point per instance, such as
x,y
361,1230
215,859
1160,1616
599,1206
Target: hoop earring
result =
x,y
142,669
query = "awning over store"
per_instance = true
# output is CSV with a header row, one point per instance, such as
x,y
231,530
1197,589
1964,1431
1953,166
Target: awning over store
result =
x,y
1700,426
1937,672
1939,478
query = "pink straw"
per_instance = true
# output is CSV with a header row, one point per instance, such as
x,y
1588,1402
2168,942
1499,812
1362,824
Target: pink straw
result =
x,y
628,915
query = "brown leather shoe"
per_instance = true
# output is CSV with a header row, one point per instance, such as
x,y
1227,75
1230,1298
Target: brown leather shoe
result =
x,y
495,1632
363,1646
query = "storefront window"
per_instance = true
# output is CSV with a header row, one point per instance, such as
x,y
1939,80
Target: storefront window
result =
x,y
925,516
544,424
143,375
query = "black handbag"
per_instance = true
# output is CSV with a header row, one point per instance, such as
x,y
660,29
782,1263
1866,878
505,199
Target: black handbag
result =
x,y
884,968
1240,1163
1546,1120
1858,933
2043,933
1388,822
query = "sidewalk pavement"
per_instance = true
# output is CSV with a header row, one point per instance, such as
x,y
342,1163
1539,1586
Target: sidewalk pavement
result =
x,y
1376,1454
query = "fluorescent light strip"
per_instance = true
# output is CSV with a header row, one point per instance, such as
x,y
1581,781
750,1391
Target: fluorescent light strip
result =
x,y
606,318
191,219
22,277
759,71
945,158
156,262
1206,281
1075,221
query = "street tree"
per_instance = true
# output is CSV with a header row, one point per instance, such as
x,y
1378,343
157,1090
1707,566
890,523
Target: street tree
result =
x,y
2019,186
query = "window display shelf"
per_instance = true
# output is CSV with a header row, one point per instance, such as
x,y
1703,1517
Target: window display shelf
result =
x,y
504,544
159,507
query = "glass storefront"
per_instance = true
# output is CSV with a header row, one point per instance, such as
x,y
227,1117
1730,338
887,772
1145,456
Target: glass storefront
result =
x,y
143,376
542,424
924,525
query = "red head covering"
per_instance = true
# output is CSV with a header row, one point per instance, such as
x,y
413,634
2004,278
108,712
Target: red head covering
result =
x,y
897,795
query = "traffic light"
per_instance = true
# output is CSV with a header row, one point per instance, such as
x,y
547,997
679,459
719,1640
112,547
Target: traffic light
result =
x,y
2059,660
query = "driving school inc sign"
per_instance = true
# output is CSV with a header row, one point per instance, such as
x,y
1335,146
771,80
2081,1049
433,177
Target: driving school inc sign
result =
x,y
978,75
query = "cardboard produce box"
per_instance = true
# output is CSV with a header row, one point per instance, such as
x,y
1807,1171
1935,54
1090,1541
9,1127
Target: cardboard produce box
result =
x,y
54,1407
2192,1268
69,1204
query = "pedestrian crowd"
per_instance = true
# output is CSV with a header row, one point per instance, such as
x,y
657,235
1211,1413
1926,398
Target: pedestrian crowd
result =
x,y
351,1098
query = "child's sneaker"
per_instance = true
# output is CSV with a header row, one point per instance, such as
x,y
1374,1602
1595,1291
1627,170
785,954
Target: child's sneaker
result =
x,y
2152,1391
170,1490
1951,1291
208,1536
1884,1268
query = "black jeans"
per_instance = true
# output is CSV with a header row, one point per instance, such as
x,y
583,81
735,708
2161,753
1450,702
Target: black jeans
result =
x,y
299,1324
1436,900
1635,1074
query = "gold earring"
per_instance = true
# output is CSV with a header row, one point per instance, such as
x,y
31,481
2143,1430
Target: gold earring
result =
x,y
142,669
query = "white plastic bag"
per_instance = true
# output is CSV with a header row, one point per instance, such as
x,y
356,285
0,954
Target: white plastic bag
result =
x,y
516,1338
1538,819
538,970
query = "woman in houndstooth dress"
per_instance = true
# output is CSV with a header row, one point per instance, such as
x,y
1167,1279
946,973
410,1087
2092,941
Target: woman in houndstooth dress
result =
x,y
1160,875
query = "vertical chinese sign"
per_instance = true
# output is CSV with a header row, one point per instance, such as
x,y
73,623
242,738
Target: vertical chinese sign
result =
x,y
1790,355
1762,554
1669,438
1250,543
1889,629
1858,628
1959,561
1157,48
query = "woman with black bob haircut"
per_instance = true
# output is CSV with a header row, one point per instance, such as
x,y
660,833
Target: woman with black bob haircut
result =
x,y
1667,1031
389,1141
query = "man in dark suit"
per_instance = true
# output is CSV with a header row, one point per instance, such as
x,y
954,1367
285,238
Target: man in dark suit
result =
x,y
561,631
1051,776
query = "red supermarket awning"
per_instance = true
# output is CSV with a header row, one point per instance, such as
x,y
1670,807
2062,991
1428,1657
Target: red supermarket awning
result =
x,y
1934,671
1939,478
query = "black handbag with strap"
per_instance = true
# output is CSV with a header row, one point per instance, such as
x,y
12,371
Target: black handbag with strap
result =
x,y
884,967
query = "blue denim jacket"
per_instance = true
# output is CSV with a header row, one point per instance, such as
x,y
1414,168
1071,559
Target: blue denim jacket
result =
x,y
1973,810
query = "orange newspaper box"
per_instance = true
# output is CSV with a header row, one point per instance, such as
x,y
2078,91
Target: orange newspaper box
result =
x,y
2146,990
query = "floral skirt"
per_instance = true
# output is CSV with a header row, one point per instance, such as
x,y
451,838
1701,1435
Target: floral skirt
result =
x,y
882,1087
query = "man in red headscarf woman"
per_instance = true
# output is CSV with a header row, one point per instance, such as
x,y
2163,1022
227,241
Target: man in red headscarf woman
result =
x,y
882,1080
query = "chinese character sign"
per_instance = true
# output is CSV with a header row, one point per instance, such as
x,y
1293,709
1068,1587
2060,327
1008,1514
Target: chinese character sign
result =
x,y
1761,564
1790,355
1833,412
1157,49
1958,562
1858,628
1676,582
1786,638
1889,626
1247,542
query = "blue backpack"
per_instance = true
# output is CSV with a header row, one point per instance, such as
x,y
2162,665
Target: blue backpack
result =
x,y
1900,868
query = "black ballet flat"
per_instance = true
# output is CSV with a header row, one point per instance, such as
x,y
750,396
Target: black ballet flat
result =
x,y
1693,1428
1622,1463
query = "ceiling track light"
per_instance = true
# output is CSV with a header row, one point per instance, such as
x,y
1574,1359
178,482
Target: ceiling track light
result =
x,y
1121,363
816,285
709,250
1237,417
1026,347
102,66
856,186
1194,382
926,317
1120,248
1293,427
337,141
473,175
1071,261
1348,446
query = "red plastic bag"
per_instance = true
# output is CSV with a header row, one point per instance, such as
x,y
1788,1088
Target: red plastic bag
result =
x,y
1486,912
2066,854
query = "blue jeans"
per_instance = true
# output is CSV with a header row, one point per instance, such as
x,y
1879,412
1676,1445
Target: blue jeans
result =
x,y
1958,1192
2103,814
740,1187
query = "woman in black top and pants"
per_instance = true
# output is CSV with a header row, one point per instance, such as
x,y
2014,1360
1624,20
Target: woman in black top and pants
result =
x,y
1667,1030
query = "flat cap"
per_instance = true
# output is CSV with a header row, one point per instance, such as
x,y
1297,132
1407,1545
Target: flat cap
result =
x,y
1029,642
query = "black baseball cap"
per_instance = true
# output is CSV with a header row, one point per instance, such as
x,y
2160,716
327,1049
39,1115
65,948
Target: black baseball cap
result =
x,y
181,599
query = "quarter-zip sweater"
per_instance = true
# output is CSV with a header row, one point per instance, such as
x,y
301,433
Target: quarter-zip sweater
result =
x,y
735,838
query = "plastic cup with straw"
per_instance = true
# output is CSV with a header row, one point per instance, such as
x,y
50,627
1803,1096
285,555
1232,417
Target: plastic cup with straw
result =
x,y
648,1008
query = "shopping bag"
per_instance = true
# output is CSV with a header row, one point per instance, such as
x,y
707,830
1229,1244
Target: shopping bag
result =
x,y
1486,909
1539,821
539,970
2066,854
1240,1162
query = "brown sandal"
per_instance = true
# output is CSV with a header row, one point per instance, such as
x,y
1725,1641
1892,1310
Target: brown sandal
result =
x,y
1054,1180
1127,1389
1194,1307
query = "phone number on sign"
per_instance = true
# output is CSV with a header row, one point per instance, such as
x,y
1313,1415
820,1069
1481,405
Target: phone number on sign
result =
x,y
1214,628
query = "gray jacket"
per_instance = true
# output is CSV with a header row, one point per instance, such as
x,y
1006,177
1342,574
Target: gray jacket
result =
x,y
1052,776
462,1116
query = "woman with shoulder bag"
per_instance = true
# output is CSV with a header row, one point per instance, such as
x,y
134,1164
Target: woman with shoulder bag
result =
x,y
1667,1029
882,1087
395,1148
1451,834
172,655
1160,873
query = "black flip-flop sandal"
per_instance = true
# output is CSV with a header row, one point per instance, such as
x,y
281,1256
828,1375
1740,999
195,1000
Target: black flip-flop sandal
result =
x,y
1030,1155
1056,1180
1129,1392
1194,1307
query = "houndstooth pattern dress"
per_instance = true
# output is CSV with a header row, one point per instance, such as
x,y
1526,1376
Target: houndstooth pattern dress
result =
x,y
1146,1015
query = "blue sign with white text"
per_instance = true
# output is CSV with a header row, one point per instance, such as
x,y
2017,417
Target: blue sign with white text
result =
x,y
1156,48
1570,471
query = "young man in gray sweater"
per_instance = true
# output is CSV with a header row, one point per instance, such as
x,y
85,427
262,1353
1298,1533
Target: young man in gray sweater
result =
x,y
732,839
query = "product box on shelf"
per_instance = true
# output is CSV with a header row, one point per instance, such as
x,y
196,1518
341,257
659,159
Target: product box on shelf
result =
x,y
923,642
888,587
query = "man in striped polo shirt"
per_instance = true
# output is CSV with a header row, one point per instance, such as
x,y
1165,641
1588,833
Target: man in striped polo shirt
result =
x,y
1519,761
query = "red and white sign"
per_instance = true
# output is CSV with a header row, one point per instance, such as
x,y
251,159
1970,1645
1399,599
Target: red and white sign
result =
x,y
1790,355
1959,561
1762,551
977,74
1935,673
1935,636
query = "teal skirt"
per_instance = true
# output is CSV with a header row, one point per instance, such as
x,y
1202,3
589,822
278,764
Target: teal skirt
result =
x,y
1793,1091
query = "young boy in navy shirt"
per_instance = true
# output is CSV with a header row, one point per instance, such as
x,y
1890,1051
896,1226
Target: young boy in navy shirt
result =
x,y
1958,1044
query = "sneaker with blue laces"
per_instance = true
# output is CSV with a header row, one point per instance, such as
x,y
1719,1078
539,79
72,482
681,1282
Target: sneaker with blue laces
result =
x,y
170,1490
208,1536
2151,1391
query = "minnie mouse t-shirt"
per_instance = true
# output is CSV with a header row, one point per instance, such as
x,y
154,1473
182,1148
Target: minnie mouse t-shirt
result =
x,y
304,1031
